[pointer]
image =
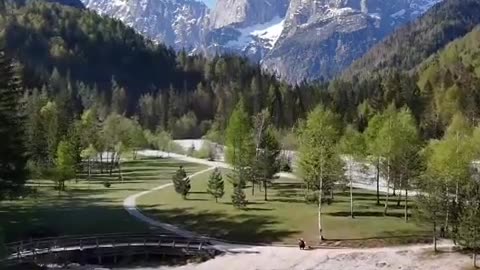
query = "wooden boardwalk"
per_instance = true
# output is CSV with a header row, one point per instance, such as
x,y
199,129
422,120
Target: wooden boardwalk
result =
x,y
100,247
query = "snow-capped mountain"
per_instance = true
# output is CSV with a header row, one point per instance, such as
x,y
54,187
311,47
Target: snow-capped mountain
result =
x,y
322,37
296,39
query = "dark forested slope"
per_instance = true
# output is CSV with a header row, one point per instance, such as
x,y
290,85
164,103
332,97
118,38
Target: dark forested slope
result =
x,y
83,46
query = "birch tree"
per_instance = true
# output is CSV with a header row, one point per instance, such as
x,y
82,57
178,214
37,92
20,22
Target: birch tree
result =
x,y
352,145
318,139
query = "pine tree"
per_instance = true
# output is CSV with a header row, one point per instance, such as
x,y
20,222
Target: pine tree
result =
x,y
13,156
215,185
267,164
239,199
181,182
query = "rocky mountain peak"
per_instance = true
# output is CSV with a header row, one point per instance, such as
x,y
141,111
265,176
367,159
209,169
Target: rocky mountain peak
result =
x,y
242,13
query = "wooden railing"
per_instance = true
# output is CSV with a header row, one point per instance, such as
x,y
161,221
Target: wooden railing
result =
x,y
110,244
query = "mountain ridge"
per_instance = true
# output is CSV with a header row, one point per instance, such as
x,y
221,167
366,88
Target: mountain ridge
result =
x,y
282,35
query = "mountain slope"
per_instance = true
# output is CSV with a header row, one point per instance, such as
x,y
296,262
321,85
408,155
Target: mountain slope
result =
x,y
321,38
412,44
451,79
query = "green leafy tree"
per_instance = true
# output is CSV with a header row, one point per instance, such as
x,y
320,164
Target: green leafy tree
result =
x,y
317,152
468,233
239,140
181,182
216,186
449,160
430,203
373,149
64,164
352,144
90,154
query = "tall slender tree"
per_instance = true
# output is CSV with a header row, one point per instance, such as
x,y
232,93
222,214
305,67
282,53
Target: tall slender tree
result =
x,y
352,145
268,163
13,155
318,139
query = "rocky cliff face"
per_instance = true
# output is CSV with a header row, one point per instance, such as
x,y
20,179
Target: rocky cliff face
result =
x,y
248,27
296,39
177,23
243,13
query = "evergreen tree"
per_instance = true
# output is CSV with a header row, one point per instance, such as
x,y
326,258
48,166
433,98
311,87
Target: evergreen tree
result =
x,y
268,163
181,182
13,155
215,185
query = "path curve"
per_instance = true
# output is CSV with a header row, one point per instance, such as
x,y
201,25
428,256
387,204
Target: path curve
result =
x,y
130,205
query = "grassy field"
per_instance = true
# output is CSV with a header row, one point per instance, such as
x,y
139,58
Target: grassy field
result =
x,y
283,219
86,207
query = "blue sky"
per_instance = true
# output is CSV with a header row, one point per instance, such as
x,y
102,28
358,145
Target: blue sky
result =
x,y
210,3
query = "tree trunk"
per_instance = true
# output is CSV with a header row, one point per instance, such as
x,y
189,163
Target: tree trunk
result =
x,y
120,169
447,215
385,211
351,193
435,236
111,163
320,191
89,168
253,188
101,162
456,192
394,189
399,198
475,259
265,189
378,181
216,199
406,204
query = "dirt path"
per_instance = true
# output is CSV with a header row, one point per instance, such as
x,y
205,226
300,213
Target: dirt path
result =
x,y
130,205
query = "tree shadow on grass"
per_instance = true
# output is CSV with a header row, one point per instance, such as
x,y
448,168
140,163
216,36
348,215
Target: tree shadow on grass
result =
x,y
243,228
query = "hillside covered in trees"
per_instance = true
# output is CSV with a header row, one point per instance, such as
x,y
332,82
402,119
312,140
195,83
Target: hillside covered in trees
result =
x,y
410,45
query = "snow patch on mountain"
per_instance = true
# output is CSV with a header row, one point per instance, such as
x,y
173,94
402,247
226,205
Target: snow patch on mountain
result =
x,y
421,6
268,33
